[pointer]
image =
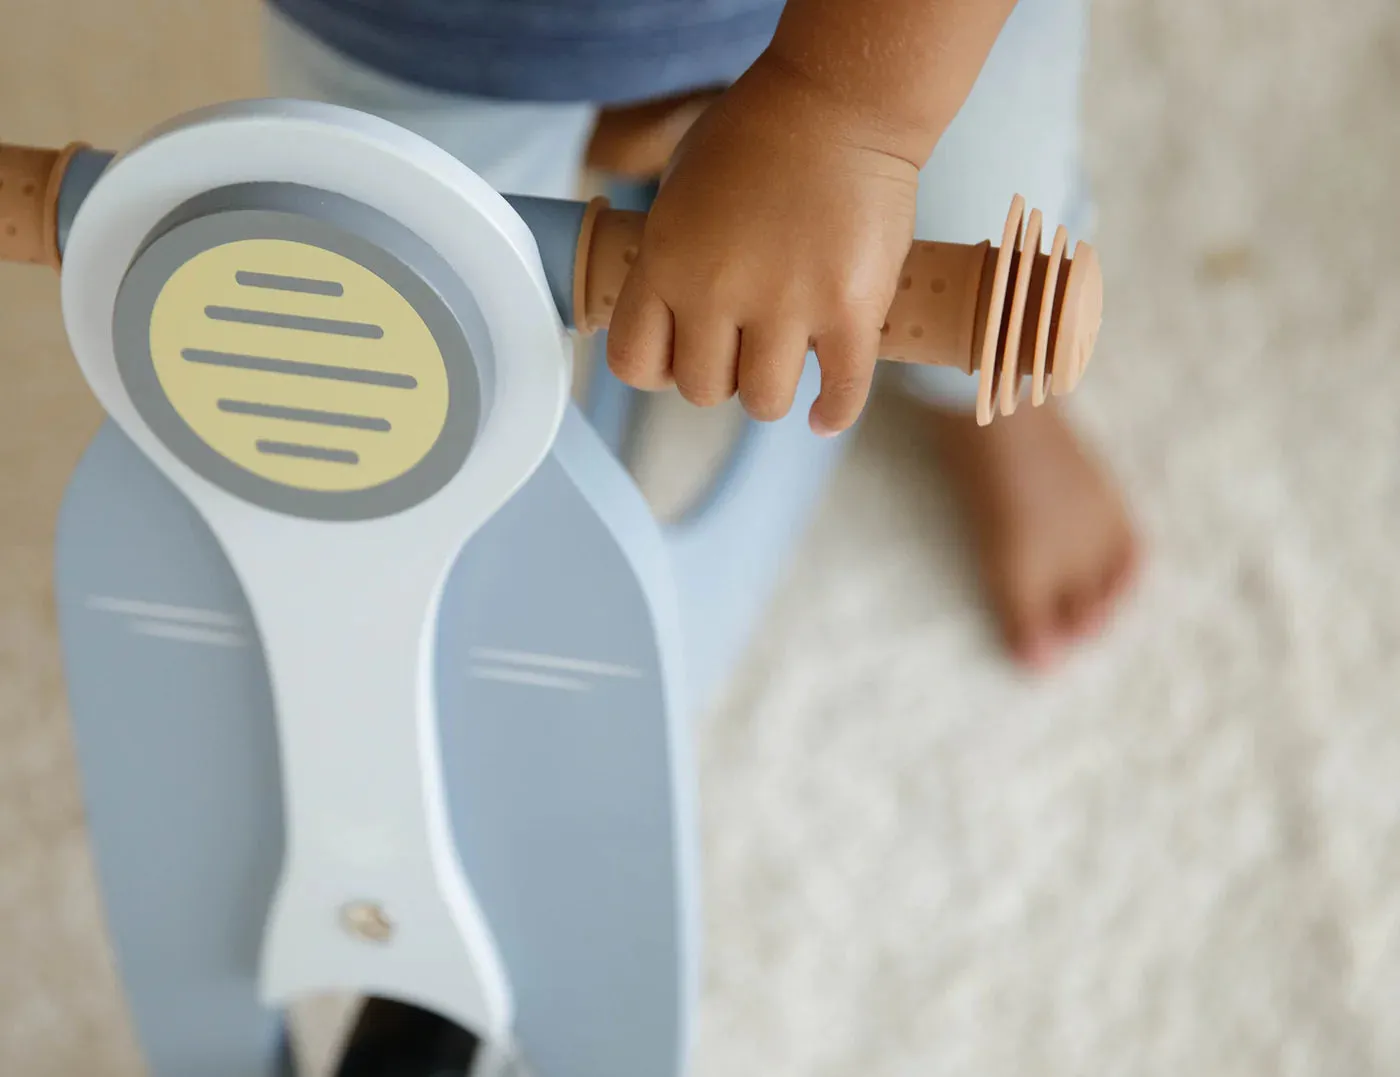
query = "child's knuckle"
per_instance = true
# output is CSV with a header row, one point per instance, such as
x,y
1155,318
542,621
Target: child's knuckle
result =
x,y
765,405
701,394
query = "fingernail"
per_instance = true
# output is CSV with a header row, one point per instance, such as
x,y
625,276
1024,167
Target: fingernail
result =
x,y
820,428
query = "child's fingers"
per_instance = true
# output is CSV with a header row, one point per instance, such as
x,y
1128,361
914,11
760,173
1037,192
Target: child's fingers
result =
x,y
640,336
847,358
706,360
771,357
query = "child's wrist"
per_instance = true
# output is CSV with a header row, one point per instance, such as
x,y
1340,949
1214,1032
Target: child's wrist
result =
x,y
848,111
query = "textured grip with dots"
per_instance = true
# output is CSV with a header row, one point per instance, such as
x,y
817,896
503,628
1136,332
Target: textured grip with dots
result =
x,y
608,245
30,180
1007,313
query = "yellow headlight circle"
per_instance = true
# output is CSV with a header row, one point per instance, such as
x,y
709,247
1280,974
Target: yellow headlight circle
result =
x,y
299,365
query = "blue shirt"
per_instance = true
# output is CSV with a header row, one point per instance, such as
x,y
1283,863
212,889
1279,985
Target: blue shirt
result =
x,y
604,51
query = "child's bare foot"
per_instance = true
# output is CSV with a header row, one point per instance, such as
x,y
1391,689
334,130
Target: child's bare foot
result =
x,y
1053,537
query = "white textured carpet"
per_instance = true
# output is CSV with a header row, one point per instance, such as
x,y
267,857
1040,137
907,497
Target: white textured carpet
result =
x,y
1182,854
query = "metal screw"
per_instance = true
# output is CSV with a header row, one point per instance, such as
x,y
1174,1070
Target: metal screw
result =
x,y
367,920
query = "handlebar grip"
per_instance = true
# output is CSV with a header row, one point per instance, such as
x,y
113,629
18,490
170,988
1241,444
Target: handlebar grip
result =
x,y
30,182
982,309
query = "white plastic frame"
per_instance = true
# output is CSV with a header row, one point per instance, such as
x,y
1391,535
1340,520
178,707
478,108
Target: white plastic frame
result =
x,y
346,610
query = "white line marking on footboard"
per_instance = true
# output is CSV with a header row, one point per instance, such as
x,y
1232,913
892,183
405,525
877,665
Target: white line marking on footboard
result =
x,y
554,661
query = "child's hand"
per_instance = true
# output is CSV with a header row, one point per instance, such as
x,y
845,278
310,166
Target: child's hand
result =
x,y
782,225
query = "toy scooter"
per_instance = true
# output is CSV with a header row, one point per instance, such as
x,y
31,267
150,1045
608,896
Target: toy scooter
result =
x,y
380,669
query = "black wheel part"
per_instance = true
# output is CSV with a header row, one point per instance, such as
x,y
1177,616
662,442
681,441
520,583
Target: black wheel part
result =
x,y
395,1039
286,1056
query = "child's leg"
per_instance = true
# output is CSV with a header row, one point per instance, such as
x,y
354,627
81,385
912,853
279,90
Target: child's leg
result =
x,y
518,148
1054,542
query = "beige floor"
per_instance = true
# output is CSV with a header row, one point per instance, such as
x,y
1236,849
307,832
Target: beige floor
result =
x,y
1182,854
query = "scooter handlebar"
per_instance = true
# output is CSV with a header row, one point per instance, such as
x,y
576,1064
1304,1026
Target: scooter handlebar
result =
x,y
31,180
982,309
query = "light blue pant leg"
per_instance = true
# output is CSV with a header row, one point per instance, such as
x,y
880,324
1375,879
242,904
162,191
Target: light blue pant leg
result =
x,y
517,147
1018,133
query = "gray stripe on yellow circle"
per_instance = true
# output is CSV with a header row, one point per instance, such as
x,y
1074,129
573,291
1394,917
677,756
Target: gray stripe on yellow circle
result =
x,y
308,452
304,415
271,365
301,322
276,282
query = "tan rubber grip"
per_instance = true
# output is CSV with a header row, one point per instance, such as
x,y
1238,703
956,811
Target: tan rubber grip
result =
x,y
983,309
30,181
607,247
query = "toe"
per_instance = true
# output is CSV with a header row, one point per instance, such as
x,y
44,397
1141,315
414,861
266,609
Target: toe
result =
x,y
1117,579
1041,654
1034,648
1123,570
1095,618
1081,609
1072,605
1031,636
1099,596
